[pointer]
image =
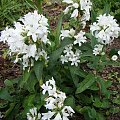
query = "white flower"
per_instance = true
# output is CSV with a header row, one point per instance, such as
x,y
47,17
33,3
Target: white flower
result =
x,y
1,116
68,49
105,29
60,98
80,38
75,5
70,55
67,33
119,52
25,38
74,59
85,5
49,87
36,26
50,103
33,115
68,1
70,7
31,50
74,14
50,106
25,61
97,49
46,87
58,117
114,57
67,111
64,59
48,115
55,104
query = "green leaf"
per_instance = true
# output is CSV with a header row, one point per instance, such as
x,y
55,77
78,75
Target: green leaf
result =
x,y
70,101
26,75
106,9
12,111
8,83
101,103
56,54
114,110
92,113
93,16
38,68
100,116
31,4
4,94
92,38
58,30
116,100
74,76
113,52
39,5
104,85
94,87
86,83
75,72
89,113
30,84
84,99
11,107
28,101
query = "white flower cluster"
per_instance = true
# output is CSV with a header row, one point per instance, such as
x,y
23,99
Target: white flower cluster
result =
x,y
33,115
70,55
70,7
26,37
79,38
105,29
67,33
84,5
55,103
97,49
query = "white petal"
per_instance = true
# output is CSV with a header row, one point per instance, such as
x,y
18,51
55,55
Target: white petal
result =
x,y
75,13
58,117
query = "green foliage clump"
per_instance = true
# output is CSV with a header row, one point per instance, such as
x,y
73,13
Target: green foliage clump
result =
x,y
11,10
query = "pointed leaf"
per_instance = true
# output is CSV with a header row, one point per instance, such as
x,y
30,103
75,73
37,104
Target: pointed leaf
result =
x,y
70,101
31,4
30,84
58,30
38,68
4,94
56,54
86,83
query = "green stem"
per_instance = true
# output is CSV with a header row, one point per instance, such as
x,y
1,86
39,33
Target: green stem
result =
x,y
39,5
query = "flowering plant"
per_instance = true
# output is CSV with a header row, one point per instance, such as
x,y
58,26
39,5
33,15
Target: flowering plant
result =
x,y
73,56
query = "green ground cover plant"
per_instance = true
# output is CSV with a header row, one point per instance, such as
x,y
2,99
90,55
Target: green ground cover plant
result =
x,y
61,67
11,10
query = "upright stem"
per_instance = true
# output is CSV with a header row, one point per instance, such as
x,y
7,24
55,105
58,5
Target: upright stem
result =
x,y
39,5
